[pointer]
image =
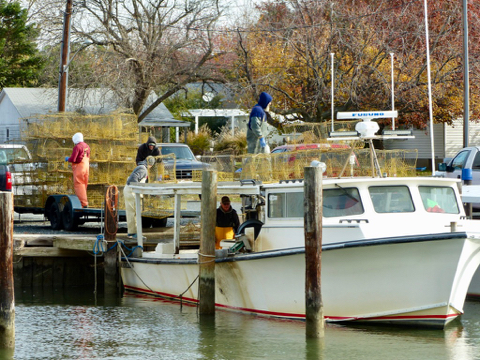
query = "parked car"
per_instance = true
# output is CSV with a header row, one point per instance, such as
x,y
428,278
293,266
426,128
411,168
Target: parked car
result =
x,y
185,160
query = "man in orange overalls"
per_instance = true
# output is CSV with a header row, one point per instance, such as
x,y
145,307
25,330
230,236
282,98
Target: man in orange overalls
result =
x,y
80,160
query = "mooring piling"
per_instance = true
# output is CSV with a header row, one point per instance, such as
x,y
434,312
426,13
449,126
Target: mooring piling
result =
x,y
313,252
7,300
206,256
110,258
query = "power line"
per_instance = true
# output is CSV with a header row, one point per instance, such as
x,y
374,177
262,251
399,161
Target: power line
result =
x,y
283,29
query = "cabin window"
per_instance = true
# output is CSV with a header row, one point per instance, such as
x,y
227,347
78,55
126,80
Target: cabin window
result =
x,y
391,199
341,202
439,199
285,205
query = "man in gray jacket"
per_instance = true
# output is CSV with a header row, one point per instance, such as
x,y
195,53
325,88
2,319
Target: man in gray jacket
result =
x,y
256,130
139,175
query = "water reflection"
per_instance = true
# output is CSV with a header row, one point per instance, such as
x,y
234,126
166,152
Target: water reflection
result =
x,y
75,325
207,339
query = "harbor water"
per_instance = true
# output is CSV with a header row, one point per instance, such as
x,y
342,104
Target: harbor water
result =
x,y
75,324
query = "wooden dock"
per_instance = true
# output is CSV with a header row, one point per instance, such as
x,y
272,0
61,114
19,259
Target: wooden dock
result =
x,y
63,260
34,245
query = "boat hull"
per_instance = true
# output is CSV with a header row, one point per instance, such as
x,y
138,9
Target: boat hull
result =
x,y
415,281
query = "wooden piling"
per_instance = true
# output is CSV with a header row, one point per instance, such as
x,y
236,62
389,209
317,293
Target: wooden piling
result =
x,y
313,252
206,257
110,258
7,300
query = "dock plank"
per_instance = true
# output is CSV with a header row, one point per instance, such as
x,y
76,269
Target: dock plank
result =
x,y
65,245
47,252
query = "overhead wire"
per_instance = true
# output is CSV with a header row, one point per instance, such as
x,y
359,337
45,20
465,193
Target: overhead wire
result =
x,y
282,29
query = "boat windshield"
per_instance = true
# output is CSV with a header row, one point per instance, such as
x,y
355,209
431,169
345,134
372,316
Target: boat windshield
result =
x,y
336,202
391,199
341,202
439,199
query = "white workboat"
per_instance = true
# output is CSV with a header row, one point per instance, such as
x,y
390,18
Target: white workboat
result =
x,y
471,194
394,250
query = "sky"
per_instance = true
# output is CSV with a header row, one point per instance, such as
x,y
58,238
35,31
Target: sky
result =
x,y
237,9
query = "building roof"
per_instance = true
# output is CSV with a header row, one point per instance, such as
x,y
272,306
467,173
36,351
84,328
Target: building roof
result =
x,y
215,112
41,101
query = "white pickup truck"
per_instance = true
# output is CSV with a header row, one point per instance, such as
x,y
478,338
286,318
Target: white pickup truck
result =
x,y
467,158
465,162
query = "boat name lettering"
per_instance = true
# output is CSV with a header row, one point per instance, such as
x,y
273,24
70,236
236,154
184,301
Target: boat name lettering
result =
x,y
368,114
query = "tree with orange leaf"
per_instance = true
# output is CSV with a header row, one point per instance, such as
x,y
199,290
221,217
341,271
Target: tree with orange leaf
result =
x,y
287,53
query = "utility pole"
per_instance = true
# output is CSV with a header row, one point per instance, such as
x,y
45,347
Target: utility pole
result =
x,y
64,57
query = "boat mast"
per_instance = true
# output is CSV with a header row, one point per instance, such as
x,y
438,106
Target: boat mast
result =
x,y
393,92
466,80
430,111
333,84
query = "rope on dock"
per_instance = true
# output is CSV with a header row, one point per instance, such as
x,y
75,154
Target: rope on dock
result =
x,y
98,246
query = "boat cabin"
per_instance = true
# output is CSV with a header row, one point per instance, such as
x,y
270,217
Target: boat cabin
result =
x,y
353,208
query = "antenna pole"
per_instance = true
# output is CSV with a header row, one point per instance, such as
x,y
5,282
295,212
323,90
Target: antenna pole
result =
x,y
333,83
466,80
393,92
430,111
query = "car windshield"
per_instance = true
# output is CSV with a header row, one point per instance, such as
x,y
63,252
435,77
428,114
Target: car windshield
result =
x,y
15,154
181,152
3,157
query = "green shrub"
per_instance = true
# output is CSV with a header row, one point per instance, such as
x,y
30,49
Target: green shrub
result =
x,y
200,143
226,143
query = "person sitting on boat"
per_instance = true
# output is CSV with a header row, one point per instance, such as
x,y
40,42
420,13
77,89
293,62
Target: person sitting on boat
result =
x,y
227,222
139,175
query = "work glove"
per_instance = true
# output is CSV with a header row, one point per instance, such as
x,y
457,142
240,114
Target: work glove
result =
x,y
66,158
262,142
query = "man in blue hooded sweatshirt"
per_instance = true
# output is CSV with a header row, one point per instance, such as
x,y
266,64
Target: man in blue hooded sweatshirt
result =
x,y
256,130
